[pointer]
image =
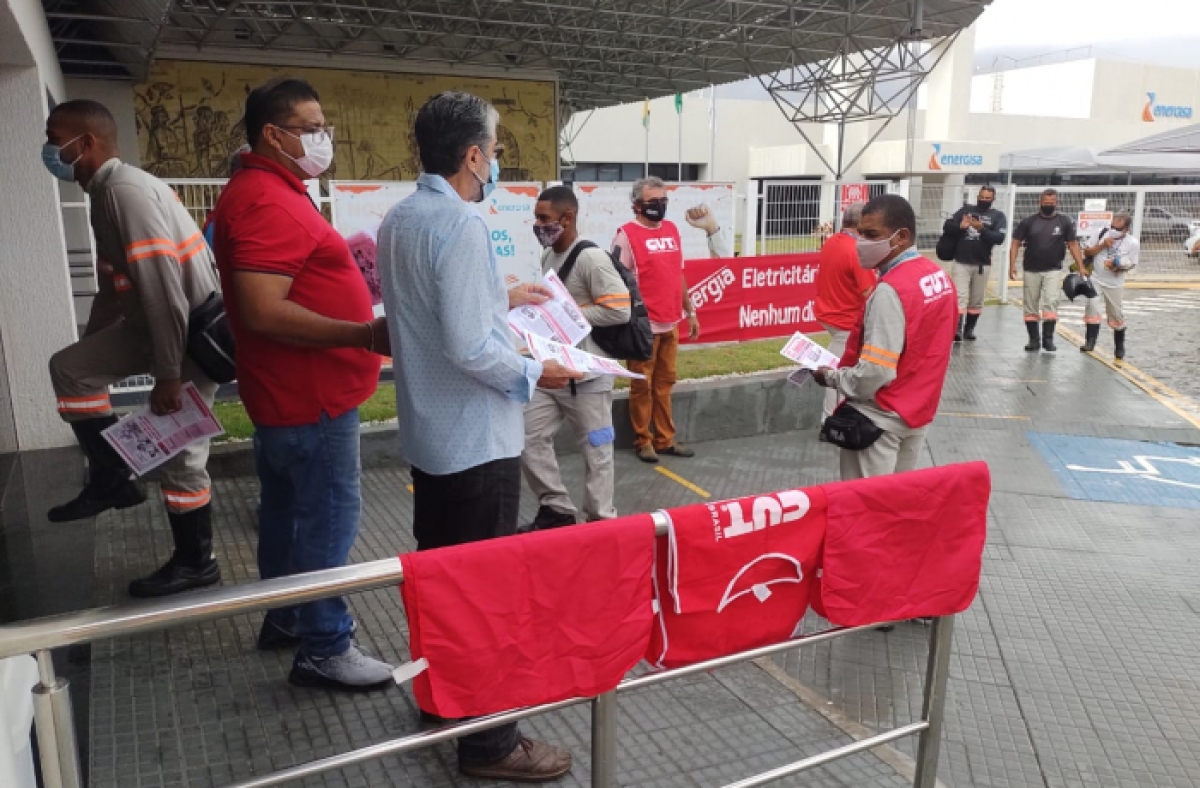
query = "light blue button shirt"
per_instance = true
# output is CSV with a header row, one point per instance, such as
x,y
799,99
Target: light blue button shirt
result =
x,y
461,386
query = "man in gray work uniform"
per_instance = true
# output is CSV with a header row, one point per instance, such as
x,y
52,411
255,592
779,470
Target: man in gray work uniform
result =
x,y
1047,236
593,281
153,268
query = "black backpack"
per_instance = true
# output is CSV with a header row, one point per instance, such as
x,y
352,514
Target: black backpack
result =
x,y
632,341
947,243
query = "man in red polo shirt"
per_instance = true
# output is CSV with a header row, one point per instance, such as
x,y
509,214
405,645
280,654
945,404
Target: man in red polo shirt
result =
x,y
307,348
842,289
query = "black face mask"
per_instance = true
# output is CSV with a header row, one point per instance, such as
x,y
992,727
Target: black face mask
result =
x,y
1048,210
654,210
983,205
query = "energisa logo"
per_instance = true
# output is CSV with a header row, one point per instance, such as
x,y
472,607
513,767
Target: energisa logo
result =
x,y
937,159
1154,110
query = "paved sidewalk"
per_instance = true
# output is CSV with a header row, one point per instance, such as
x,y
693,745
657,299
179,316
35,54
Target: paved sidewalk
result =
x,y
1077,665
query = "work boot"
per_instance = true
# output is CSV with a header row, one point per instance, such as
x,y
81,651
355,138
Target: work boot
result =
x,y
109,484
531,762
677,450
192,565
1048,335
958,330
547,518
350,671
1119,343
647,453
1035,342
1093,333
969,330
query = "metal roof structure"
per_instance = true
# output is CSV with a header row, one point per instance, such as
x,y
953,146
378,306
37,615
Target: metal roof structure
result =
x,y
602,52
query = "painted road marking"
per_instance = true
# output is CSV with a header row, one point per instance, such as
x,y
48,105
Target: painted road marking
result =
x,y
703,493
1123,471
986,416
1179,404
410,488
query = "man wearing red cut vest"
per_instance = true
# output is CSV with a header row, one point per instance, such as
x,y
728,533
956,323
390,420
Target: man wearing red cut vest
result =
x,y
650,247
896,360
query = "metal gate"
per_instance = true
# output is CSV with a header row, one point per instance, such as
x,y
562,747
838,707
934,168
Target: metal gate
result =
x,y
797,216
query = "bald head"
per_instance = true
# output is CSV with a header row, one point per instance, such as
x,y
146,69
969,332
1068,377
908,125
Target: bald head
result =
x,y
86,135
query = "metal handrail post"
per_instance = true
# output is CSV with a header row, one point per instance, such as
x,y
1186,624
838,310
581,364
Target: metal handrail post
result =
x,y
941,638
55,723
604,740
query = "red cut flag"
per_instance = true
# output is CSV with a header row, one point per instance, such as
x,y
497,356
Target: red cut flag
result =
x,y
735,575
529,619
904,546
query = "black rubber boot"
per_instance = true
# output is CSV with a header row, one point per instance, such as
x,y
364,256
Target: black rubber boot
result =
x,y
1035,342
192,565
1119,342
1093,333
1048,335
958,330
969,329
109,484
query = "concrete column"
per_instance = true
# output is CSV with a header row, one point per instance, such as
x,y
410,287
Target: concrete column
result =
x,y
36,315
949,91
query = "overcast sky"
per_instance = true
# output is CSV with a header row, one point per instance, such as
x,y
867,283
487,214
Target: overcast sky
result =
x,y
1061,24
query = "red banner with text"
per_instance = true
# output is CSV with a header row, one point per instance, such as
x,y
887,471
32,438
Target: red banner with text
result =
x,y
742,298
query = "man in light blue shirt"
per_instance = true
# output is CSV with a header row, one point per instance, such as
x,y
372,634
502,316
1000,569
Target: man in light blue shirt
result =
x,y
461,386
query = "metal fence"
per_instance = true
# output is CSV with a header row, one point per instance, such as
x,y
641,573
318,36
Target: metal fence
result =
x,y
58,745
797,216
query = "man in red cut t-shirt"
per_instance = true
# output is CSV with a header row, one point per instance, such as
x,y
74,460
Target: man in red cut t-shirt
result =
x,y
843,287
308,354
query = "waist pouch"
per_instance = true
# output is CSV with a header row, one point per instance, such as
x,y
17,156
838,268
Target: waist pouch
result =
x,y
210,341
848,428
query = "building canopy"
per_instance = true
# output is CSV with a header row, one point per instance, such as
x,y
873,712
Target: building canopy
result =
x,y
603,52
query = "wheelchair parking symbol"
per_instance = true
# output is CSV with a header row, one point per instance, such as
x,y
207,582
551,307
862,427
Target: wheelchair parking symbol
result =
x,y
1123,471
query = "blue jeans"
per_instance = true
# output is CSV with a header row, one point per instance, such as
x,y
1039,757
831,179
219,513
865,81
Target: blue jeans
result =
x,y
308,518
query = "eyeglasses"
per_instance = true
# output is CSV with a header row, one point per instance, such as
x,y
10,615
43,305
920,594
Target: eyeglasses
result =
x,y
324,133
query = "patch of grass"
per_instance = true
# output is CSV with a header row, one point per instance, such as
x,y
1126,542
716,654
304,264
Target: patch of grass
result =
x,y
700,362
783,245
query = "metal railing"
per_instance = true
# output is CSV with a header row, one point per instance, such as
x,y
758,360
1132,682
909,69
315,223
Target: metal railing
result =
x,y
55,726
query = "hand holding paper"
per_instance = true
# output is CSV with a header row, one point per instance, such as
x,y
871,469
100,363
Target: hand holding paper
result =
x,y
547,350
808,354
558,318
146,441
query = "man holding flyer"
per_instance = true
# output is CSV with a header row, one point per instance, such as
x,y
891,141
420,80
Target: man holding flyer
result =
x,y
592,281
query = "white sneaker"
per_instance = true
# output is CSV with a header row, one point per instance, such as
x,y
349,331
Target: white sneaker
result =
x,y
350,671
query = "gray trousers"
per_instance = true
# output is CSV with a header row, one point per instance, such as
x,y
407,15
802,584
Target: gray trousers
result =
x,y
897,450
837,346
589,412
81,374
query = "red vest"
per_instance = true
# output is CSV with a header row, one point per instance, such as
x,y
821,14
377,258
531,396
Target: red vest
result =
x,y
658,256
930,316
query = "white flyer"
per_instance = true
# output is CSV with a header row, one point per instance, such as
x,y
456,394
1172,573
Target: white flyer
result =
x,y
558,319
543,349
145,441
808,354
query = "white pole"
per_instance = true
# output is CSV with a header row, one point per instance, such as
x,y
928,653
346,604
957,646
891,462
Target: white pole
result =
x,y
679,158
646,126
712,132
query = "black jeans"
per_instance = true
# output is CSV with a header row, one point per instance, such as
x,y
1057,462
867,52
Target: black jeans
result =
x,y
470,506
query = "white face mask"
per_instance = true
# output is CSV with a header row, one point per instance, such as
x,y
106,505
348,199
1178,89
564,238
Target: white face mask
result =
x,y
1115,234
318,151
872,253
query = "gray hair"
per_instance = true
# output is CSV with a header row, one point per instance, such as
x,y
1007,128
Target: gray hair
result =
x,y
641,184
1126,220
852,214
449,125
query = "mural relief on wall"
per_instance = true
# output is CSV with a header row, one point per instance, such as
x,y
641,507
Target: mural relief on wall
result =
x,y
189,119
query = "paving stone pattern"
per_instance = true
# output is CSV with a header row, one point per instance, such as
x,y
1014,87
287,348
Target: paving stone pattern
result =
x,y
1076,666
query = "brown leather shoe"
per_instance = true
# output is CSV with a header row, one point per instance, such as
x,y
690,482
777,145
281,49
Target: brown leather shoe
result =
x,y
677,450
647,453
532,762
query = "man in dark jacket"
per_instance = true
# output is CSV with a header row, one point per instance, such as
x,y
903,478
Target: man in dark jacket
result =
x,y
977,230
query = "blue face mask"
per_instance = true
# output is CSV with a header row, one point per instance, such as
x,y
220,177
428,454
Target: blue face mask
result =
x,y
493,178
52,159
